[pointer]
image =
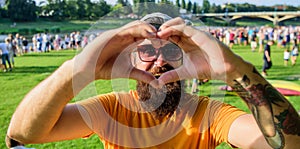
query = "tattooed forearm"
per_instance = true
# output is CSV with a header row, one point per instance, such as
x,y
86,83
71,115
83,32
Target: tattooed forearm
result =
x,y
274,114
257,101
289,121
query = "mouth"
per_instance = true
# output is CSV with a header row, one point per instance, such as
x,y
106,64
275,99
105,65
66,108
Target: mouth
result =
x,y
158,71
157,75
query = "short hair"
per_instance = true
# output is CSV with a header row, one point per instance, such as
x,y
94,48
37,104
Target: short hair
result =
x,y
156,19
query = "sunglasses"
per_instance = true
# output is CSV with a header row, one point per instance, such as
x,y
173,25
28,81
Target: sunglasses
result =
x,y
170,52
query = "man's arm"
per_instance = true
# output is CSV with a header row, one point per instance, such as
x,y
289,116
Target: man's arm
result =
x,y
275,116
43,112
267,56
44,115
209,58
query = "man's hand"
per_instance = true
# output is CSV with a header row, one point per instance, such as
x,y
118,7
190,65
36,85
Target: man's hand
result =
x,y
206,57
108,56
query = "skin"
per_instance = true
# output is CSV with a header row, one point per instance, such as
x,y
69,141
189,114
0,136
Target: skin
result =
x,y
270,109
217,61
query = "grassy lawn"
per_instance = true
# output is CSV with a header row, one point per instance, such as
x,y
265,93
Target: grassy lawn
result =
x,y
63,26
33,68
43,25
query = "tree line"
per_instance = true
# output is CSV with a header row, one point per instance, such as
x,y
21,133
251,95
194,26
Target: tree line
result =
x,y
59,10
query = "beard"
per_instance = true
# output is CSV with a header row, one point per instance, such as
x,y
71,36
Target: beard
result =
x,y
161,102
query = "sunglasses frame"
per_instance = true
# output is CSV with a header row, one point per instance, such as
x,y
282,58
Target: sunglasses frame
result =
x,y
159,51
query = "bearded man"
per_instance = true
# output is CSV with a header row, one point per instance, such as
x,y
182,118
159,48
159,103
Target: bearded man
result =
x,y
160,53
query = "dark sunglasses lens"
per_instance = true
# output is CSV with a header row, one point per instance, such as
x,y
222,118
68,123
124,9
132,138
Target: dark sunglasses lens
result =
x,y
146,53
172,52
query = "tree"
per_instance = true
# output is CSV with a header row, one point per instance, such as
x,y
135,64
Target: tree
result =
x,y
189,6
135,2
21,10
100,9
55,9
120,10
80,9
216,8
150,7
140,7
195,8
183,5
205,6
122,2
166,1
178,3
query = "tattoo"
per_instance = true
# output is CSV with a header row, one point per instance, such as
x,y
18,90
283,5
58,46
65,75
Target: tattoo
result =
x,y
289,121
257,94
253,94
259,98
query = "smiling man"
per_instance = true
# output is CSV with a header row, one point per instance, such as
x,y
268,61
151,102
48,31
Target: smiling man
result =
x,y
160,53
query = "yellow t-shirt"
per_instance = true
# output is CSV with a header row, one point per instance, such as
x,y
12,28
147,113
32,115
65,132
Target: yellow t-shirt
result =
x,y
120,122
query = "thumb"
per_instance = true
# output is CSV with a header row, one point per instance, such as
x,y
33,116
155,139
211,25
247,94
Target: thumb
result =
x,y
180,73
143,76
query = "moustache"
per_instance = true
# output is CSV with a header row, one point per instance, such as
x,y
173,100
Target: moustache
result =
x,y
158,71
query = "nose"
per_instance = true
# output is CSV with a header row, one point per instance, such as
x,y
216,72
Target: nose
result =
x,y
160,61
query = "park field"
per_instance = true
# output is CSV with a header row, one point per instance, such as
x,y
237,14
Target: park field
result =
x,y
104,23
32,68
44,25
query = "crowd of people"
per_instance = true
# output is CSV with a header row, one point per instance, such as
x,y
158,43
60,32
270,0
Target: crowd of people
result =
x,y
17,45
261,39
286,37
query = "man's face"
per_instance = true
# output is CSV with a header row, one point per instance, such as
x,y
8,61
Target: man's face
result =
x,y
157,53
158,59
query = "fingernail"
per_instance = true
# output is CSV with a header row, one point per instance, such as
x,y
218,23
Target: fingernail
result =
x,y
152,33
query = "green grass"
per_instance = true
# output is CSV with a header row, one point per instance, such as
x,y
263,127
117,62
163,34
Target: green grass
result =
x,y
33,68
64,26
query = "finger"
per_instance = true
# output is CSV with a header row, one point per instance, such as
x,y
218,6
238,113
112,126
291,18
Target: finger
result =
x,y
180,73
170,31
140,75
143,30
173,22
135,32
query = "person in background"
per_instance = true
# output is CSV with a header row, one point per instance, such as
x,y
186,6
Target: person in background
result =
x,y
25,45
5,48
159,52
34,43
295,52
78,39
253,43
12,51
18,41
267,64
261,37
286,56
